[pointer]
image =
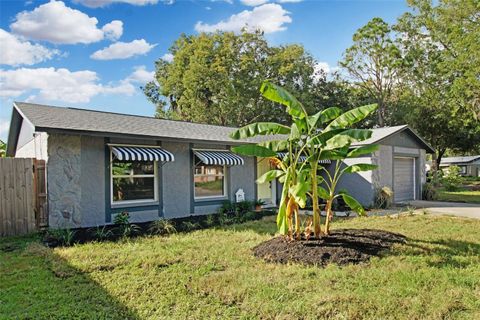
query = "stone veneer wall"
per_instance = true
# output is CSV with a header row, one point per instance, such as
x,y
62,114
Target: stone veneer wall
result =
x,y
63,180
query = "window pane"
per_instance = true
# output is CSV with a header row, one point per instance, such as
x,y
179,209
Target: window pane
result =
x,y
133,189
208,186
132,168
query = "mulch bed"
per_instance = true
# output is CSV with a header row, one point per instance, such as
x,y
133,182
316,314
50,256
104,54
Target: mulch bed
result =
x,y
343,246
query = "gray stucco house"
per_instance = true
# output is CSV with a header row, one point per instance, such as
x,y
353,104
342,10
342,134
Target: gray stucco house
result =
x,y
101,163
469,165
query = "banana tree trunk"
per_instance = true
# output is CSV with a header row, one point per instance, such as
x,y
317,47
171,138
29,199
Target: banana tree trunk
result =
x,y
328,210
297,225
316,208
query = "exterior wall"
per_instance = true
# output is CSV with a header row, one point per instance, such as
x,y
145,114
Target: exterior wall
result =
x,y
92,182
64,181
359,185
384,158
31,144
177,191
79,183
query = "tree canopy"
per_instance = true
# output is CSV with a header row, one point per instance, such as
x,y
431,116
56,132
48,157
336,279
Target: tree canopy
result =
x,y
214,78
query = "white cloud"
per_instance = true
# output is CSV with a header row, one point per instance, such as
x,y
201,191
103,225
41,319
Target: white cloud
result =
x,y
123,50
113,30
104,3
253,3
323,67
268,18
50,84
15,51
167,57
57,23
140,75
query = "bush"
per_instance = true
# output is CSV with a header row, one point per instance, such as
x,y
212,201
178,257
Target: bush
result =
x,y
452,178
429,191
101,233
123,226
383,197
189,226
162,227
64,237
231,212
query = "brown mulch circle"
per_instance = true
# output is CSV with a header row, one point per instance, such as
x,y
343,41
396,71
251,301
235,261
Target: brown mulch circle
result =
x,y
343,246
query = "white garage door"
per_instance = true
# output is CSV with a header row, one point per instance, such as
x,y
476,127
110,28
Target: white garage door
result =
x,y
404,179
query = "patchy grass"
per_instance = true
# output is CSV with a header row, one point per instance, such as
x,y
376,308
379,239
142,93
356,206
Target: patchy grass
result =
x,y
459,196
212,274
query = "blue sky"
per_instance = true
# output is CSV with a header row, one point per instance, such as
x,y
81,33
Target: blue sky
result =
x,y
97,53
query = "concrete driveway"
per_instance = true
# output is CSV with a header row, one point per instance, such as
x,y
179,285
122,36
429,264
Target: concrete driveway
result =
x,y
469,210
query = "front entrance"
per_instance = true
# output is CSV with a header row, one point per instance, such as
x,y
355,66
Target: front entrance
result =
x,y
266,191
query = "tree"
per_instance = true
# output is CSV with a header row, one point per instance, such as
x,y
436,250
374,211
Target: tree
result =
x,y
324,135
431,100
3,149
372,61
214,78
454,26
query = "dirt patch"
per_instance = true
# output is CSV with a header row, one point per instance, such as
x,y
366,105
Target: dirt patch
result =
x,y
341,247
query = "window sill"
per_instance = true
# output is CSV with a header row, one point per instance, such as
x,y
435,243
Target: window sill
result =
x,y
208,199
134,204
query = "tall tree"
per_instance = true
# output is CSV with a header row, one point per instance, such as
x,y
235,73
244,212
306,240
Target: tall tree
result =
x,y
434,101
3,149
214,78
372,61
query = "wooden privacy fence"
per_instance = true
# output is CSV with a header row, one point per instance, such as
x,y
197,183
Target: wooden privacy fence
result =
x,y
22,196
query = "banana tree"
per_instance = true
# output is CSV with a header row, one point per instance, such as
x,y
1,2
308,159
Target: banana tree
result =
x,y
305,137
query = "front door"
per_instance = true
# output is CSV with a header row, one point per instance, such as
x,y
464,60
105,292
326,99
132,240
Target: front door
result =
x,y
265,191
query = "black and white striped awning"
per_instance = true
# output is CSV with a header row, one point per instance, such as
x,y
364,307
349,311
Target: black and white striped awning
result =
x,y
136,153
219,157
282,155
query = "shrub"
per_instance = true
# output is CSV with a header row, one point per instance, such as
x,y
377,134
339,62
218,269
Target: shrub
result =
x,y
101,233
211,220
63,237
162,227
452,178
429,191
383,197
189,226
123,226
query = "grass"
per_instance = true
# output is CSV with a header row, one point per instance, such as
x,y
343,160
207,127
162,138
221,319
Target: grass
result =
x,y
464,194
212,274
468,196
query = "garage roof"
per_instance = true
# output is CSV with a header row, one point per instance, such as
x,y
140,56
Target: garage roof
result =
x,y
380,134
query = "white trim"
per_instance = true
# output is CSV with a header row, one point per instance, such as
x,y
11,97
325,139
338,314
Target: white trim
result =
x,y
141,201
23,116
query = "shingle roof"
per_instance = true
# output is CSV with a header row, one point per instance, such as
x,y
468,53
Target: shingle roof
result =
x,y
467,159
46,118
379,134
59,118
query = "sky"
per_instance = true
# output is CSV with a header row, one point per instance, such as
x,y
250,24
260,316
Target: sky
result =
x,y
96,54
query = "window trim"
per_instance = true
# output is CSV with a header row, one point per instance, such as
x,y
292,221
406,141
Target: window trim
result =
x,y
134,202
225,187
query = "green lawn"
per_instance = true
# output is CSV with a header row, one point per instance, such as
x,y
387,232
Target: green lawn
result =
x,y
211,274
465,193
459,196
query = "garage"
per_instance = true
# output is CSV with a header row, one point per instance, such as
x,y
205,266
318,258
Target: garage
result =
x,y
404,179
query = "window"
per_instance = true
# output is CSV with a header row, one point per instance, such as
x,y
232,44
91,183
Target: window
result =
x,y
133,181
463,169
209,180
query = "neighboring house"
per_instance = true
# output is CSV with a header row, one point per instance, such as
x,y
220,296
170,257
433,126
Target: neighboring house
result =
x,y
101,163
469,165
